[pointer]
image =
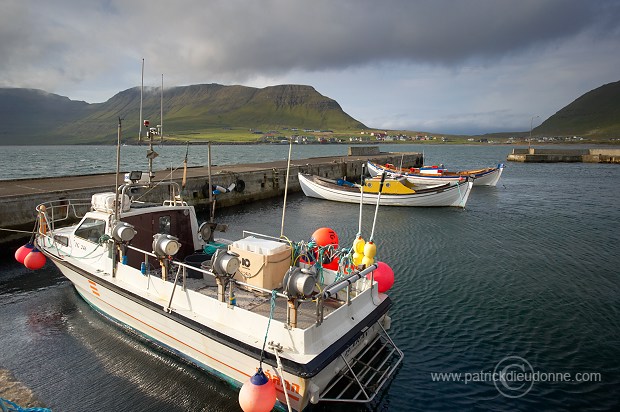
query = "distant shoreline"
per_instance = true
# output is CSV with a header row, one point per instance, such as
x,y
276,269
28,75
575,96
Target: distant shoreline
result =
x,y
220,143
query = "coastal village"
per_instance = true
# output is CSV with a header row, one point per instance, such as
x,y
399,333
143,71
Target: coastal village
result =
x,y
312,136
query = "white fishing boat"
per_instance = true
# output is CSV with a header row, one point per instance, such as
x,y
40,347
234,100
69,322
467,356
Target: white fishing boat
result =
x,y
394,192
317,334
429,175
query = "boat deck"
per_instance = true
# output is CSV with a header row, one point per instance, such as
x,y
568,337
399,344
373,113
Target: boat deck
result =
x,y
260,303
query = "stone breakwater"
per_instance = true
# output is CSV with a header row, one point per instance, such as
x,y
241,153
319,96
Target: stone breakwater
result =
x,y
565,155
253,182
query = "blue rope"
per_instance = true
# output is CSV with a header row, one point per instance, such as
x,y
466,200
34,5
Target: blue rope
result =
x,y
271,310
8,406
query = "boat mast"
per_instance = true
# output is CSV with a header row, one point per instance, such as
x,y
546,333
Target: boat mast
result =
x,y
150,154
161,110
288,169
117,205
141,92
211,200
118,170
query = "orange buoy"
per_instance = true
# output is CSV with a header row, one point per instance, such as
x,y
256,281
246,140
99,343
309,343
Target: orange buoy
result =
x,y
258,394
35,260
325,236
23,251
384,276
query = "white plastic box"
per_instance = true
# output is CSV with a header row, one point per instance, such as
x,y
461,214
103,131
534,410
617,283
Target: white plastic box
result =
x,y
104,202
263,262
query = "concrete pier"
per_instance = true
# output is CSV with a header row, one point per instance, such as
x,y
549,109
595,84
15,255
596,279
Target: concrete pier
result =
x,y
565,155
256,181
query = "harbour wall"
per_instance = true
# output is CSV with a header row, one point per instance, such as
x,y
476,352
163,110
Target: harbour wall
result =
x,y
532,155
253,182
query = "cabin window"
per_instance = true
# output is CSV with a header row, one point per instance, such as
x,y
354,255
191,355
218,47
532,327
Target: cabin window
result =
x,y
91,229
164,225
63,240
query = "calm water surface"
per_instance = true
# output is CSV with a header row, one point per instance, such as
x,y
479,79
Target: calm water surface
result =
x,y
529,269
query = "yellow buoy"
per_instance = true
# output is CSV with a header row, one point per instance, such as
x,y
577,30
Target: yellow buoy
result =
x,y
357,258
370,250
358,250
358,245
367,261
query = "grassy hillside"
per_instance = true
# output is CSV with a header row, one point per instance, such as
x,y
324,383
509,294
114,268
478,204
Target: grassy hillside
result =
x,y
594,114
196,110
236,113
31,116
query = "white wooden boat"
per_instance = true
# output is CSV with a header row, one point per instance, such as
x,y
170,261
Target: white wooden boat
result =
x,y
395,192
326,335
433,174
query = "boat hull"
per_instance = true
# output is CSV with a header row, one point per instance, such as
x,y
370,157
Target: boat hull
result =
x,y
188,341
452,195
304,346
164,330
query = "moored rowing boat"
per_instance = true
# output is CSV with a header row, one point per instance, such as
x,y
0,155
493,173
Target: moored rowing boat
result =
x,y
435,174
395,192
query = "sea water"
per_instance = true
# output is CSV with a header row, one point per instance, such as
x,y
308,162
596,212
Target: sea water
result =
x,y
526,280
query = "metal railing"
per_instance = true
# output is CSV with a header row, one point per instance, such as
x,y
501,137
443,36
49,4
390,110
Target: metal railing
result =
x,y
51,213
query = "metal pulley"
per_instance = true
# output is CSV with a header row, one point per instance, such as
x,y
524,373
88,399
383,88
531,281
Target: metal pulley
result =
x,y
123,232
165,245
225,263
298,282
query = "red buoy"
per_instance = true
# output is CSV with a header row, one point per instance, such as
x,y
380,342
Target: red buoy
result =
x,y
35,260
22,252
258,394
332,264
384,276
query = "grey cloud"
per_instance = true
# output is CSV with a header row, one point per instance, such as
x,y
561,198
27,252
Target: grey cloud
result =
x,y
398,62
235,40
276,36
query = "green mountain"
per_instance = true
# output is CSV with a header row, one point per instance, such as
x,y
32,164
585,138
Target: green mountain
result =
x,y
36,117
594,114
30,116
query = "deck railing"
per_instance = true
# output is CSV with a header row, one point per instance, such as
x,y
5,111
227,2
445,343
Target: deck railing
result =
x,y
51,213
176,272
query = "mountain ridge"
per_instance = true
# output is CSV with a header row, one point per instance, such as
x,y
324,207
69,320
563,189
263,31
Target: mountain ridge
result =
x,y
187,109
33,116
594,113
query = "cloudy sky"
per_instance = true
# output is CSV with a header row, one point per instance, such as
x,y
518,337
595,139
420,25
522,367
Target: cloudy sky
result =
x,y
452,66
